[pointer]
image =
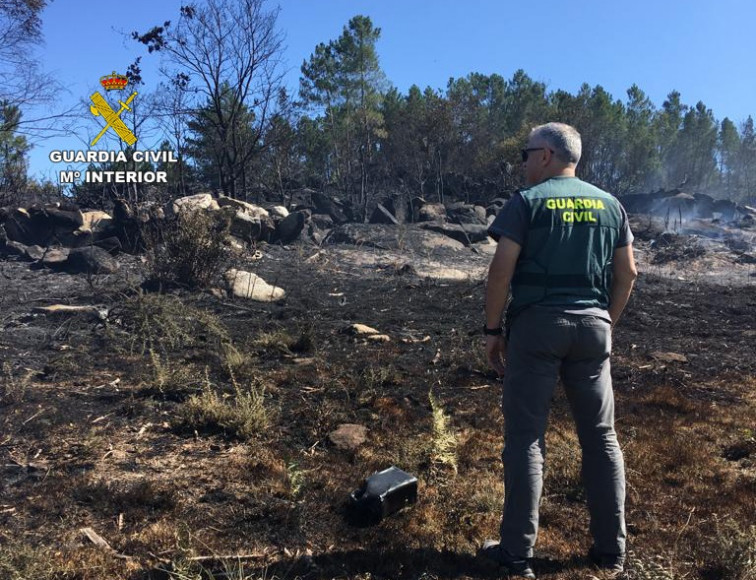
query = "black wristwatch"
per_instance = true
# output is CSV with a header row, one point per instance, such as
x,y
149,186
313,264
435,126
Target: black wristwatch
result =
x,y
492,331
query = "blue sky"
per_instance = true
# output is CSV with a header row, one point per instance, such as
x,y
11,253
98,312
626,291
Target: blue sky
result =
x,y
704,49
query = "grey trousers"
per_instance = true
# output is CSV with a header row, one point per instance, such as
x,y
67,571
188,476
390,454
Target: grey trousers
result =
x,y
542,344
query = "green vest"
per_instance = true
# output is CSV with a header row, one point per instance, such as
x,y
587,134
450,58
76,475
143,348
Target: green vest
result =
x,y
566,258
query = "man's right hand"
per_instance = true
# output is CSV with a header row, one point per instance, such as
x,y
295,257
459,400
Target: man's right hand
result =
x,y
496,353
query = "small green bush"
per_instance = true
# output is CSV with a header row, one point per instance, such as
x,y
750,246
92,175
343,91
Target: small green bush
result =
x,y
193,252
241,414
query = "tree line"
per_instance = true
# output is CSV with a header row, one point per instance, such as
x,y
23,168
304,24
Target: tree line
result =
x,y
223,109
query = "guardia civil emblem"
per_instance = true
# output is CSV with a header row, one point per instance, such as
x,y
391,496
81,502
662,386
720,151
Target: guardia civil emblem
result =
x,y
113,82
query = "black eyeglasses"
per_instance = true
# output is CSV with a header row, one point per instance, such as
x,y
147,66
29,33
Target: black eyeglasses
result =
x,y
526,152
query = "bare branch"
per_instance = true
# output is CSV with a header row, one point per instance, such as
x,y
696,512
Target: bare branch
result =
x,y
228,51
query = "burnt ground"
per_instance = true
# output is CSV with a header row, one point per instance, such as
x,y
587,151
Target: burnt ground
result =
x,y
190,431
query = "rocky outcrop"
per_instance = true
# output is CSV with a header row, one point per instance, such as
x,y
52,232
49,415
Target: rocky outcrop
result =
x,y
278,212
391,237
111,245
250,228
381,215
290,228
243,206
398,205
21,251
91,260
463,213
194,203
495,206
432,212
676,204
322,221
330,206
55,257
50,225
466,234
41,226
96,222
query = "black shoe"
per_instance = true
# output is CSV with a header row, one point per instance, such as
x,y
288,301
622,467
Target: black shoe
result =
x,y
612,563
514,565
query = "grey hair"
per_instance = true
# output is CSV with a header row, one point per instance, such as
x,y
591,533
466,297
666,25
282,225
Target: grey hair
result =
x,y
563,139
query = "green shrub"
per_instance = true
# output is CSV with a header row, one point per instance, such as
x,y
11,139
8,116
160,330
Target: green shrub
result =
x,y
193,251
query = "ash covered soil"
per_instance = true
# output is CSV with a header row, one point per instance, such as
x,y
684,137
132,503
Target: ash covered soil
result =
x,y
102,424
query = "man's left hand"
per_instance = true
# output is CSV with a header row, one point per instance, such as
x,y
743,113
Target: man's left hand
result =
x,y
496,352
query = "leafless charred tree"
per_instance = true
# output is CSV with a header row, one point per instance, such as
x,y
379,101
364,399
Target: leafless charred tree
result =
x,y
173,112
19,33
229,50
22,83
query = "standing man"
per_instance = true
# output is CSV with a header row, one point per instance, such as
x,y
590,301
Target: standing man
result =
x,y
565,250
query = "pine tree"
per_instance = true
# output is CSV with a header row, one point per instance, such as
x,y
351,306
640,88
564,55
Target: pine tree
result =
x,y
343,80
641,167
728,145
222,139
13,151
747,160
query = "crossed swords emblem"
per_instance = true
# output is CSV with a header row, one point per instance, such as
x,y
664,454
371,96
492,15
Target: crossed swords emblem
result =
x,y
112,119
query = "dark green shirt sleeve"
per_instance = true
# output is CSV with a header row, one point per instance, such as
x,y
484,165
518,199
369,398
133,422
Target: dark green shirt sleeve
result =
x,y
512,221
625,235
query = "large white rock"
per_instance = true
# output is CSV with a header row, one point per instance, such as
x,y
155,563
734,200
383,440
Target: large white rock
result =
x,y
194,202
247,227
249,285
248,208
278,212
95,221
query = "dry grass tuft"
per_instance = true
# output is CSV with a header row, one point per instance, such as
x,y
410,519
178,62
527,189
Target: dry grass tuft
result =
x,y
241,414
296,478
12,386
168,377
226,569
126,496
649,569
233,358
372,382
731,551
443,451
487,494
164,323
278,341
21,562
562,477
